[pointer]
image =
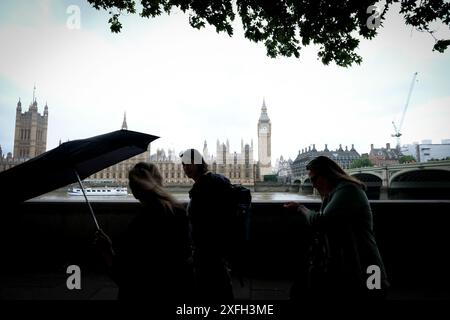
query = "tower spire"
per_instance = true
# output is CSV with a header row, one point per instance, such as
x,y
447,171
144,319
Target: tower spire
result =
x,y
33,105
124,123
264,116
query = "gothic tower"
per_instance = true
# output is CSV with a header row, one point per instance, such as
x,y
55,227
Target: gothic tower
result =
x,y
30,137
205,152
264,142
124,123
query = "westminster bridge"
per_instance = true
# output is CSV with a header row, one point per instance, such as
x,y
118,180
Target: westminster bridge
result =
x,y
423,180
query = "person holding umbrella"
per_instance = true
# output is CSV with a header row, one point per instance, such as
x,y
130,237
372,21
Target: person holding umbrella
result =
x,y
154,259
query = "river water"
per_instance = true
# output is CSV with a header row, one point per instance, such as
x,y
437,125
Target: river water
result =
x,y
180,196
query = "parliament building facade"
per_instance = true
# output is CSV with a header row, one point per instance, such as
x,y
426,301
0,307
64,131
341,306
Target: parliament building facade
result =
x,y
30,140
30,135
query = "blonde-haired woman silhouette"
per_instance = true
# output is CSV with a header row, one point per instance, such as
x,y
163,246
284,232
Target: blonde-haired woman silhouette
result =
x,y
154,259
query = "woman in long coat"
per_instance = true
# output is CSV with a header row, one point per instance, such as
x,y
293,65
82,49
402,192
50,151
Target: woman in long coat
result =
x,y
345,260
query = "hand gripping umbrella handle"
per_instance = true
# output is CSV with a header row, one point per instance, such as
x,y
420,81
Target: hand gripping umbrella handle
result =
x,y
89,204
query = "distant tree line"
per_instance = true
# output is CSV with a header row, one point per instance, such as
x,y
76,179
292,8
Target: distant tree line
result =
x,y
407,159
361,163
442,159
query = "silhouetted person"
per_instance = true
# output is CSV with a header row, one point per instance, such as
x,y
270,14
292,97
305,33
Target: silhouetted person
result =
x,y
344,246
209,211
154,259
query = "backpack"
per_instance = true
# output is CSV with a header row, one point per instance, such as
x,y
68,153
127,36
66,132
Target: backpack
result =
x,y
239,229
242,201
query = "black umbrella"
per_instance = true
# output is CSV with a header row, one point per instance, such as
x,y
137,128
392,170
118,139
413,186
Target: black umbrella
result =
x,y
70,162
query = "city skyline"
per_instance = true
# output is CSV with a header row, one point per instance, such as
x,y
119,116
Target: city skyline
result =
x,y
187,85
229,149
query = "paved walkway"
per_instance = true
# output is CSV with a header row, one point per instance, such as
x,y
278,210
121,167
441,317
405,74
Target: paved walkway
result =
x,y
41,286
100,287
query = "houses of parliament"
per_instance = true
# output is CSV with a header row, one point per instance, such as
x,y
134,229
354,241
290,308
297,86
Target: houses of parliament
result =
x,y
30,135
30,140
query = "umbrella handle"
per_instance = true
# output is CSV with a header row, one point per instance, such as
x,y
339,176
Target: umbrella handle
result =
x,y
89,204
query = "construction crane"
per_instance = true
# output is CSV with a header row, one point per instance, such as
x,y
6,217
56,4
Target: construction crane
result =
x,y
397,129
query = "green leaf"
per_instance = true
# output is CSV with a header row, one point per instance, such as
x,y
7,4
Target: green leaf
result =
x,y
441,45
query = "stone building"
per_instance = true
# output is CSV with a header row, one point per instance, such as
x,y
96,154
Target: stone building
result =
x,y
238,167
283,168
170,167
8,161
384,156
30,135
264,142
343,157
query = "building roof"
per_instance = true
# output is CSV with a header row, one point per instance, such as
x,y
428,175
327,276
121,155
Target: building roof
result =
x,y
387,154
305,155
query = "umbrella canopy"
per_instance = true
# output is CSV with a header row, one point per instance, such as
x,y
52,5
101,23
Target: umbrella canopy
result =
x,y
59,167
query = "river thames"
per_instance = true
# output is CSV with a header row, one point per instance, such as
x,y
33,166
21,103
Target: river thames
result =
x,y
180,196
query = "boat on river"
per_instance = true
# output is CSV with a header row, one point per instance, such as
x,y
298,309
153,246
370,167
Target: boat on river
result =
x,y
99,191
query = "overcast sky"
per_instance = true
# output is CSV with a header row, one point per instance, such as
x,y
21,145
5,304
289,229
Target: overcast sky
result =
x,y
187,85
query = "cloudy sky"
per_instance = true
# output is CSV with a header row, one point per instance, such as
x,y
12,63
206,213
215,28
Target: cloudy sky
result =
x,y
187,85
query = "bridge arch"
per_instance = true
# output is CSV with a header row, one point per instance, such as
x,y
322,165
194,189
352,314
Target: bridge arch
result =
x,y
375,171
370,179
373,183
420,183
425,174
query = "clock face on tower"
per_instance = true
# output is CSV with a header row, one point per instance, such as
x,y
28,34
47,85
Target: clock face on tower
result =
x,y
263,129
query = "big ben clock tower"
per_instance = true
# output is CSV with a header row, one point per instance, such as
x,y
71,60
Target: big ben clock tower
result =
x,y
264,146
